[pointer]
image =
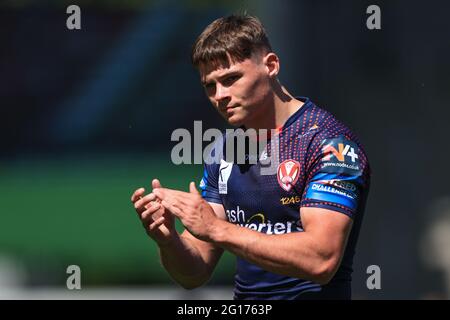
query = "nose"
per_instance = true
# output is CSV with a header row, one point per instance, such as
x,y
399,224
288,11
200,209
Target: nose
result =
x,y
222,93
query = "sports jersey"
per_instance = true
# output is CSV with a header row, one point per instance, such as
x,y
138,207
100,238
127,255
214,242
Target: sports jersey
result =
x,y
321,164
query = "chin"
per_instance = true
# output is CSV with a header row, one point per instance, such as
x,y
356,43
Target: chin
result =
x,y
234,121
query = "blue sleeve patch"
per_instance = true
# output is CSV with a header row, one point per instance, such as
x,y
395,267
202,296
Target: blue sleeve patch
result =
x,y
338,181
335,189
329,193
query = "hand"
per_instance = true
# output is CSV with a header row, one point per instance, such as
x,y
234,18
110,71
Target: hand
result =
x,y
157,221
193,211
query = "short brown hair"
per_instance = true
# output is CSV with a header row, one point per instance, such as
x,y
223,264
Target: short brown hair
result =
x,y
238,36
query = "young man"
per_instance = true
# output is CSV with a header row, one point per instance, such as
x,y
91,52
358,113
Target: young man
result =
x,y
294,232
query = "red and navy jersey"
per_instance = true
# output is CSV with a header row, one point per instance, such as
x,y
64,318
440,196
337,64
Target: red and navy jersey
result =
x,y
321,164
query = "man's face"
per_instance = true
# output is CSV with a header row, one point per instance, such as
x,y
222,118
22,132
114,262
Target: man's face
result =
x,y
240,90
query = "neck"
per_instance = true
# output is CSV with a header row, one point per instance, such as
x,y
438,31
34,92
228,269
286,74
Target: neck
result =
x,y
279,107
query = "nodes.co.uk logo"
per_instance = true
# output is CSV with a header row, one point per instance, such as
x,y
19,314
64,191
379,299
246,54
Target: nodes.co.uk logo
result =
x,y
340,154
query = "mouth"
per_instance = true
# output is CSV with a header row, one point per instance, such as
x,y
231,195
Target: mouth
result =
x,y
228,108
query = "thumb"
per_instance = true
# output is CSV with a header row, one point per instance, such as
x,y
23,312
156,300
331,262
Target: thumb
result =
x,y
156,184
193,189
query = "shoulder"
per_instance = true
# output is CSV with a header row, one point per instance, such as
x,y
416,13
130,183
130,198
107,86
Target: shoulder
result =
x,y
328,129
334,144
214,152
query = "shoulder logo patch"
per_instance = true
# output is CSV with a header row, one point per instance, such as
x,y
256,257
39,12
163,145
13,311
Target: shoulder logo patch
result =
x,y
340,155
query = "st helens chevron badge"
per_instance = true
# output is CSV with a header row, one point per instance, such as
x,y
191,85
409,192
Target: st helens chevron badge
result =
x,y
288,173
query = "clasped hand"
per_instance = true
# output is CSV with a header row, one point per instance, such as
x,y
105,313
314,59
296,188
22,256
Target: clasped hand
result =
x,y
193,211
157,210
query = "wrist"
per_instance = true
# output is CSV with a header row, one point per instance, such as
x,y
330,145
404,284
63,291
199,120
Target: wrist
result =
x,y
219,231
169,243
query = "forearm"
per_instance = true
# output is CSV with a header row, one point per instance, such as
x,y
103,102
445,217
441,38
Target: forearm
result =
x,y
184,263
294,254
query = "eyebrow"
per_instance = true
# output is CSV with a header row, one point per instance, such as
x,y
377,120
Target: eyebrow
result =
x,y
226,74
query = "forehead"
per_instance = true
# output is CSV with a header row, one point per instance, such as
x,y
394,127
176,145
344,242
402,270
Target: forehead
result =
x,y
216,70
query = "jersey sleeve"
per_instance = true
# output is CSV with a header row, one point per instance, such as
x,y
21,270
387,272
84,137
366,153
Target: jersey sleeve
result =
x,y
337,175
209,184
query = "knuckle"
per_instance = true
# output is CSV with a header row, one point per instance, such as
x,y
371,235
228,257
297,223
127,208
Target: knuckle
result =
x,y
197,203
146,214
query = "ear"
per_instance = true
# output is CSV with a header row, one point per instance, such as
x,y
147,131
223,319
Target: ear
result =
x,y
272,63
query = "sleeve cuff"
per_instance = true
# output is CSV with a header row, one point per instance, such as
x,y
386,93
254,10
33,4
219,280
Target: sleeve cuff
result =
x,y
328,205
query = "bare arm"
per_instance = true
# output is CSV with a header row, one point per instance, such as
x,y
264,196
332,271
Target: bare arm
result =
x,y
314,254
190,261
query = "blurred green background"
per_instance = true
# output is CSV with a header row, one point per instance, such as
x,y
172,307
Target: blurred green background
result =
x,y
62,211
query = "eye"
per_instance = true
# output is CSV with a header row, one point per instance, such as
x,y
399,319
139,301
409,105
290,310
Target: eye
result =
x,y
210,87
228,81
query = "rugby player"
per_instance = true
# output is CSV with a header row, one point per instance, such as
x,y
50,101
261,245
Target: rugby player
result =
x,y
294,232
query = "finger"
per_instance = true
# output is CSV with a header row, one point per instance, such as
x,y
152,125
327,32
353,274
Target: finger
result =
x,y
144,200
156,223
161,193
151,203
175,198
150,211
193,189
156,184
137,194
176,211
164,193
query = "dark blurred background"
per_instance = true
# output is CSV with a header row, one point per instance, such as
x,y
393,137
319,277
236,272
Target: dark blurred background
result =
x,y
87,115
